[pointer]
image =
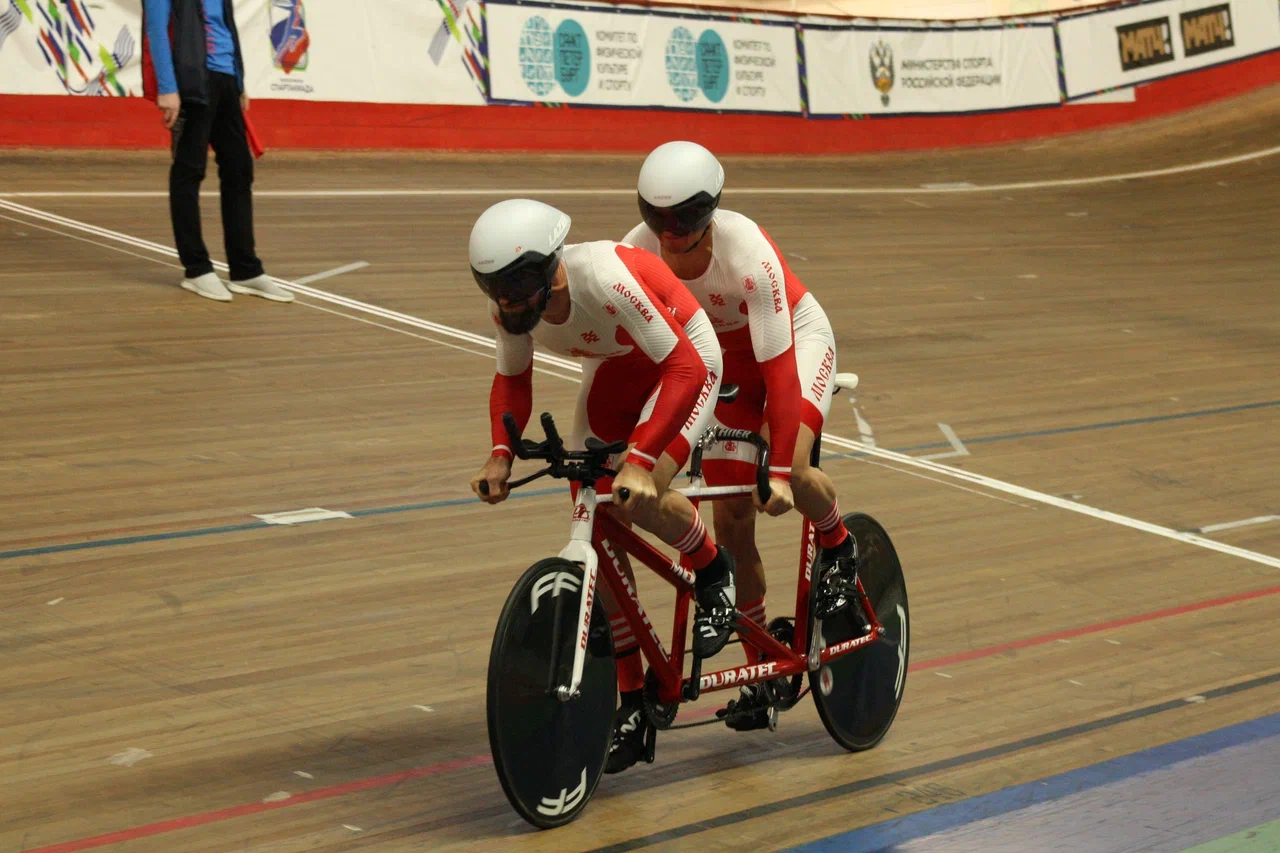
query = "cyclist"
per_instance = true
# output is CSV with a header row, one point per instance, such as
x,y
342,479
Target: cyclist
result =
x,y
651,372
778,348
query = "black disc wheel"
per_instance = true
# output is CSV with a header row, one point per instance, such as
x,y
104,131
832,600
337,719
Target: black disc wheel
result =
x,y
858,694
549,753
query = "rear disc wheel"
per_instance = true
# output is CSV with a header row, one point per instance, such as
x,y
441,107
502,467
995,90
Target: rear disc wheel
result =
x,y
858,694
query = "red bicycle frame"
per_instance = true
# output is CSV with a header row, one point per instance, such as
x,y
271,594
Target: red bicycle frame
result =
x,y
776,659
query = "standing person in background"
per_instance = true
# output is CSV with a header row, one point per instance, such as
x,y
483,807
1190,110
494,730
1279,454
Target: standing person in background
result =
x,y
193,69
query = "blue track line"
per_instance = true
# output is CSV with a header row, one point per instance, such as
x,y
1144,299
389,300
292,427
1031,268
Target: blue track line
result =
x,y
253,525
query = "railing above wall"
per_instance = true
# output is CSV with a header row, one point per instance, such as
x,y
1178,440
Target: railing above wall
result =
x,y
899,10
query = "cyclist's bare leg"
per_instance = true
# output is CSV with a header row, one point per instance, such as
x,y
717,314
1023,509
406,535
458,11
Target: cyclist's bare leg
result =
x,y
674,520
735,526
815,494
735,523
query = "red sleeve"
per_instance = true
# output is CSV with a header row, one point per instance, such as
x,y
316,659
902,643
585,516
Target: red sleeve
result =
x,y
512,394
683,375
683,371
782,389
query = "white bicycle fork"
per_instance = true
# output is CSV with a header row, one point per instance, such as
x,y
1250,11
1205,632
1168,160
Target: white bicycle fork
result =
x,y
580,551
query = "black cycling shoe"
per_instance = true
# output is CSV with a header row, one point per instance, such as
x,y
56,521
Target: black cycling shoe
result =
x,y
715,594
838,577
631,735
750,711
846,552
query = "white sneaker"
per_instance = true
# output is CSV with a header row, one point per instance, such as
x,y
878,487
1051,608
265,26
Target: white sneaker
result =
x,y
262,286
209,286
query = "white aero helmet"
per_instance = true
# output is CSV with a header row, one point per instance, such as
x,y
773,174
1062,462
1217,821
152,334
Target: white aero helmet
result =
x,y
679,188
515,248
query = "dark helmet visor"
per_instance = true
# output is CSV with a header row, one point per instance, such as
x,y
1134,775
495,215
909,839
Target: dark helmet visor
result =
x,y
522,278
687,217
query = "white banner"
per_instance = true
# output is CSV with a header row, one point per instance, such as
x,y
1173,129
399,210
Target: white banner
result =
x,y
389,51
70,48
595,56
885,71
1147,41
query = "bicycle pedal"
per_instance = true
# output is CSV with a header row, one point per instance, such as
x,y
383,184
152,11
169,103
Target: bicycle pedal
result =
x,y
773,718
650,745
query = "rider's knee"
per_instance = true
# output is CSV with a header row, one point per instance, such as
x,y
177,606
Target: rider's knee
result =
x,y
803,476
670,500
735,517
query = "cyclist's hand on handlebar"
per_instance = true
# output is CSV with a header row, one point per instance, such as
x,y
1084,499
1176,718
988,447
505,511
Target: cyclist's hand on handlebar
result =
x,y
779,501
639,483
493,476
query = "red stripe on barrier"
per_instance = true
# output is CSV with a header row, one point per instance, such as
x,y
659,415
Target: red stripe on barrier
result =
x,y
59,121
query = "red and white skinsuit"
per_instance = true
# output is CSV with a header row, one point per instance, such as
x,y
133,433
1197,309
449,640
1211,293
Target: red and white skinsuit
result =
x,y
652,365
779,348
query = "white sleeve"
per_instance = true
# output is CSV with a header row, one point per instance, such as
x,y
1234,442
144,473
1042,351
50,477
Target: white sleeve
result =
x,y
768,314
515,352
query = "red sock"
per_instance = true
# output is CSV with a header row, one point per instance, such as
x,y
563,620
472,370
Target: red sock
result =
x,y
696,544
753,610
626,653
831,529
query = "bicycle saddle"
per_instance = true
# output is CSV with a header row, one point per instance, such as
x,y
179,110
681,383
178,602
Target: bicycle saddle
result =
x,y
728,393
595,445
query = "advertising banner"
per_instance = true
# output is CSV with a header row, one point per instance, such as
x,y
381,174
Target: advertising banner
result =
x,y
391,51
1147,41
853,70
70,48
579,55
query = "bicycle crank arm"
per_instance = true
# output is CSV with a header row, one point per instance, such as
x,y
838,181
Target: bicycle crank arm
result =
x,y
693,687
815,646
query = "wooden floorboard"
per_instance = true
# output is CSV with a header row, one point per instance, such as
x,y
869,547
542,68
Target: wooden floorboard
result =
x,y
1113,344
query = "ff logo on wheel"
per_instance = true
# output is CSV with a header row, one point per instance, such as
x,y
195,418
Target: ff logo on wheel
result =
x,y
566,800
554,583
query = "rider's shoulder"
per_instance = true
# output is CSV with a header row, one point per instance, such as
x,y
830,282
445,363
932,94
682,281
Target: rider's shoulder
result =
x,y
730,223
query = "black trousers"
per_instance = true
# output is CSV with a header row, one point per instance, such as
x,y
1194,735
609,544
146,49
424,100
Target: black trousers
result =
x,y
220,124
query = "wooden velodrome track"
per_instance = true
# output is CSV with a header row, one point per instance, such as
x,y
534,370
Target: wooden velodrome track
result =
x,y
179,675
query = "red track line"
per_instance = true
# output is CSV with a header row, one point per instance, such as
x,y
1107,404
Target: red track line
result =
x,y
1094,629
480,760
254,808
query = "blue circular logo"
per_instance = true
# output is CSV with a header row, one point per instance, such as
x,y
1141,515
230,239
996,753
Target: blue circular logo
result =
x,y
537,66
713,66
573,57
681,63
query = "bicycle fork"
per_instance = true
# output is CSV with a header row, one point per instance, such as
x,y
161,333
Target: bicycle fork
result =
x,y
580,551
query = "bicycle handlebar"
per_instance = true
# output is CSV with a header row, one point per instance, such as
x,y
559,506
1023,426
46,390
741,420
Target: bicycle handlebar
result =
x,y
589,465
762,455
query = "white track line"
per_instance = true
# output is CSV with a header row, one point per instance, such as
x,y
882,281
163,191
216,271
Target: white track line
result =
x,y
1052,500
858,458
1232,525
925,189
321,276
830,439
162,263
301,289
426,338
27,224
